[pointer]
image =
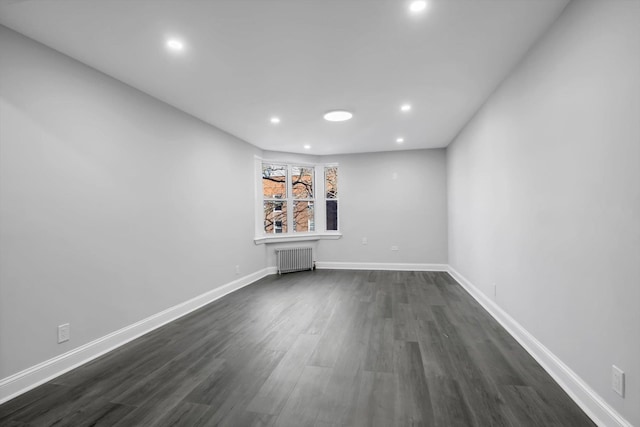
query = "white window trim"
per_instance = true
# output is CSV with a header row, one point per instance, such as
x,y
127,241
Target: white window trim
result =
x,y
298,237
320,215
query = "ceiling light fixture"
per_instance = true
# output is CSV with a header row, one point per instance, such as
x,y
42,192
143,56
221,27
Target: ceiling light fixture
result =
x,y
406,107
307,147
417,6
275,120
338,115
400,140
175,45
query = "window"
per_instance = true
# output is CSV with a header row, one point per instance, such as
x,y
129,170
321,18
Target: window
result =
x,y
297,200
274,189
331,198
297,191
302,190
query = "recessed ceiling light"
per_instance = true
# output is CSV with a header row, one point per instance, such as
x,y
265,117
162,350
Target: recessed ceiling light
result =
x,y
175,45
338,115
406,107
418,6
307,147
400,140
275,120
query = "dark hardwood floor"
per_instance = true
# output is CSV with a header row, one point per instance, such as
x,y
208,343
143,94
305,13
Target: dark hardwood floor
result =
x,y
317,349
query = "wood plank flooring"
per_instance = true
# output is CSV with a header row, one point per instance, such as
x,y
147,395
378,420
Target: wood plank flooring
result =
x,y
317,349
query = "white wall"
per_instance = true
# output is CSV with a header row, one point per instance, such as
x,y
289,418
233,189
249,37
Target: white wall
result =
x,y
409,212
544,195
113,205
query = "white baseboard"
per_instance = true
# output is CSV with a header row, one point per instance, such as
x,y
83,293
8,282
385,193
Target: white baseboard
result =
x,y
34,376
388,266
591,403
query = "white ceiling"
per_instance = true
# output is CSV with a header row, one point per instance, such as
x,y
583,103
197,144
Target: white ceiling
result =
x,y
248,60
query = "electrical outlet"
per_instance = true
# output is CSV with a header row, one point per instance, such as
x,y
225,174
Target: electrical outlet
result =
x,y
237,270
394,248
364,241
617,380
64,333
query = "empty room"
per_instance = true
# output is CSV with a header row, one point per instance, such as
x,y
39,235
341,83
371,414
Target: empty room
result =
x,y
321,213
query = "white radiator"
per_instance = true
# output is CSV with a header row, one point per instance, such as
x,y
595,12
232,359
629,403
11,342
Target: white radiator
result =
x,y
294,259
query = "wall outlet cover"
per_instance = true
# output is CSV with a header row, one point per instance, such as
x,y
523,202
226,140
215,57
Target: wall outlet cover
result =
x,y
64,332
617,380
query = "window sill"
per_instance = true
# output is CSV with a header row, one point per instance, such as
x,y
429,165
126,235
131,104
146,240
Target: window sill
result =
x,y
261,240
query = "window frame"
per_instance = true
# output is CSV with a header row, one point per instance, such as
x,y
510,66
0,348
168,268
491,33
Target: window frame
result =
x,y
319,204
